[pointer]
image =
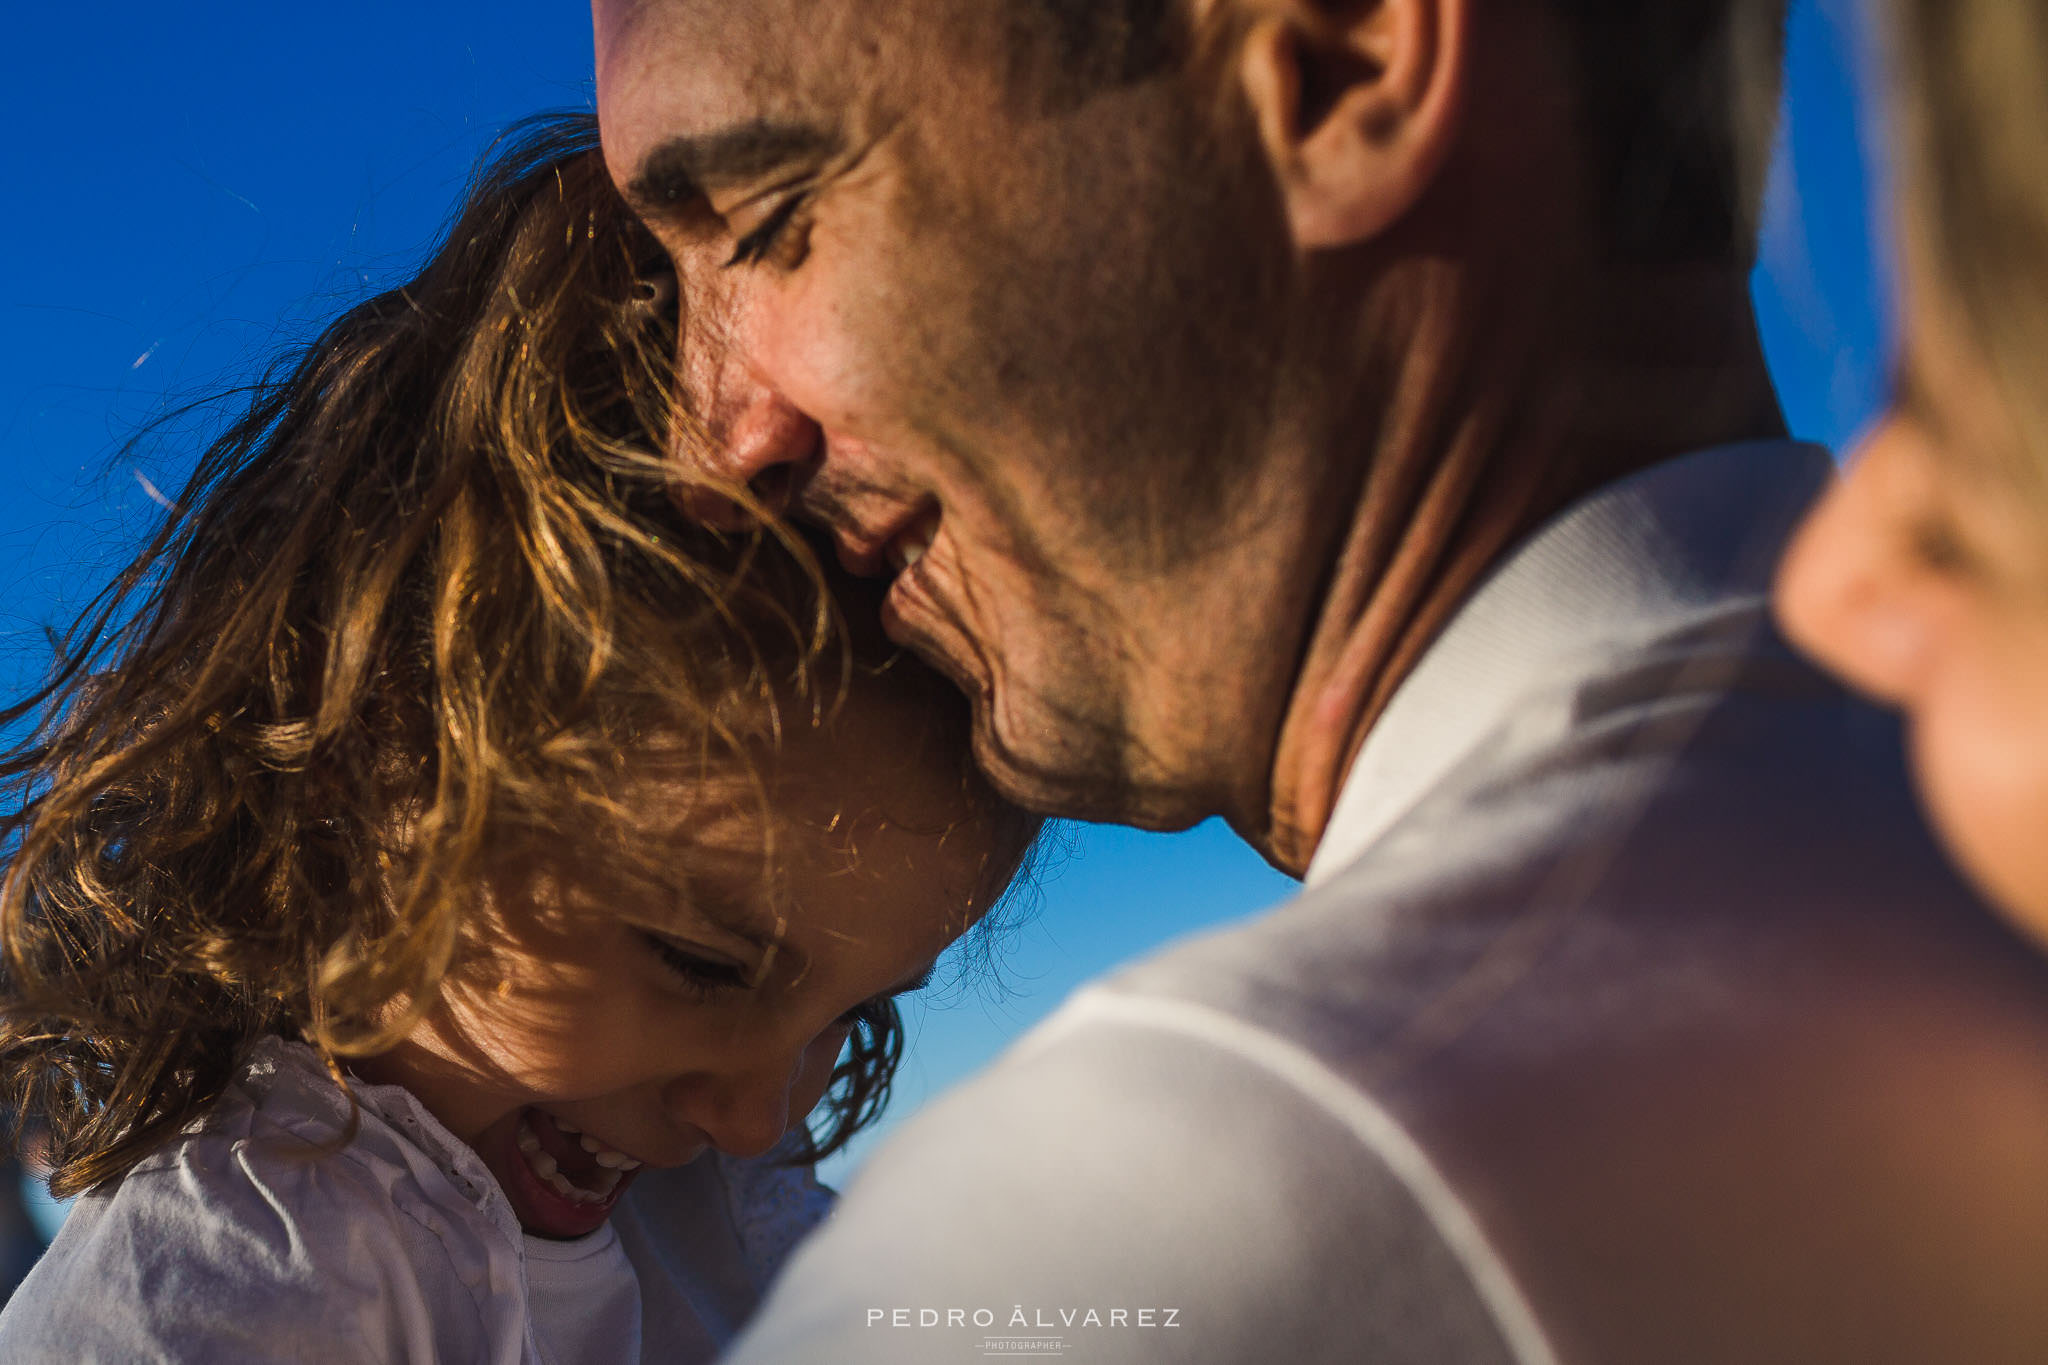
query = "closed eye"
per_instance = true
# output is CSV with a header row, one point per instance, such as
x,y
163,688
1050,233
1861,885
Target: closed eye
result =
x,y
701,975
923,979
758,243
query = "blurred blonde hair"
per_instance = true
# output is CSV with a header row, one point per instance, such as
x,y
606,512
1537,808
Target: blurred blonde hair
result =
x,y
1970,90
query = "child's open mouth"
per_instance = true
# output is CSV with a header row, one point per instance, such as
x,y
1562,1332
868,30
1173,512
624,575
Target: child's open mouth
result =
x,y
562,1182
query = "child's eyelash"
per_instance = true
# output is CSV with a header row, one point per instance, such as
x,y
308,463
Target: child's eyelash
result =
x,y
704,975
866,1008
875,1003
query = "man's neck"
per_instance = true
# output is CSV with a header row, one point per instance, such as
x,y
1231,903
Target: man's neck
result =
x,y
1494,427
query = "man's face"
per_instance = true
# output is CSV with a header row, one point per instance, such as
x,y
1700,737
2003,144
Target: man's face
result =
x,y
1014,350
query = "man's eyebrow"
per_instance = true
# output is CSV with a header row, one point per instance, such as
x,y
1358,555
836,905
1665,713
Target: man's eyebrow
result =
x,y
684,169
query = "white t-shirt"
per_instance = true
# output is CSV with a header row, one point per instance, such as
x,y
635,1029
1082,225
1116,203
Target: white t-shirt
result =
x,y
244,1241
584,1299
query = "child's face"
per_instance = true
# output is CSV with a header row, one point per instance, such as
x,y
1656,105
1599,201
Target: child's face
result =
x,y
611,1026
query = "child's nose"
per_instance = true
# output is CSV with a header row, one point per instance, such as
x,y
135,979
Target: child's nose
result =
x,y
744,1114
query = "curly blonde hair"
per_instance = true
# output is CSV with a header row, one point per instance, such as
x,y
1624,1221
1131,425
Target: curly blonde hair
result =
x,y
418,599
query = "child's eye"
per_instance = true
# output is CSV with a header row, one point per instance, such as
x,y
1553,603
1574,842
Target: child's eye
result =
x,y
705,976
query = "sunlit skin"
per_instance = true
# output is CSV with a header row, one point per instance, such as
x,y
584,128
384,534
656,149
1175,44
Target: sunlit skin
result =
x,y
663,1023
1922,578
1051,550
1196,403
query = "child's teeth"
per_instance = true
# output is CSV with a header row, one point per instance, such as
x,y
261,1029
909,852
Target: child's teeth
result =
x,y
604,1182
568,1128
608,1158
528,1143
561,1184
543,1165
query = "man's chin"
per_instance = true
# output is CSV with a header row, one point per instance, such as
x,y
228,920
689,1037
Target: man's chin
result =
x,y
1103,794
1054,750
1023,758
913,619
1071,768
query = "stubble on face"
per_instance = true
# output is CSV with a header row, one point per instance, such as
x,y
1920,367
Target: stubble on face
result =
x,y
1052,319
1087,358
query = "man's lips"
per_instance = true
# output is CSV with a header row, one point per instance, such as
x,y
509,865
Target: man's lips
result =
x,y
906,549
893,547
917,614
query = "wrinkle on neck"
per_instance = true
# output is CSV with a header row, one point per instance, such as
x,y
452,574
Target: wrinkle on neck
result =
x,y
1490,411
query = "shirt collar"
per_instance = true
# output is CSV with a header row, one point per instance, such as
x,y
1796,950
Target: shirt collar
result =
x,y
1604,572
392,1121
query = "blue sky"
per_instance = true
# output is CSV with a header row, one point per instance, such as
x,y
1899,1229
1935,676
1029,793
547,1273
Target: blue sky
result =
x,y
195,185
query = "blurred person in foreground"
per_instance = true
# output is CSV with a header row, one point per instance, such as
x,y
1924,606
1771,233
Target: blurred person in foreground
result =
x,y
1923,577
1348,419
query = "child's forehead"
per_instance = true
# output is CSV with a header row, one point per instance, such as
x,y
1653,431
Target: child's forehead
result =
x,y
878,886
867,797
750,841
779,810
868,757
878,907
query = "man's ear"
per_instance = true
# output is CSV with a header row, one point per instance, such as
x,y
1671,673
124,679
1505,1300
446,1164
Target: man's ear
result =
x,y
1357,102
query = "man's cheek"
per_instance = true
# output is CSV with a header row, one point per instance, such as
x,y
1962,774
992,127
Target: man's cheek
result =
x,y
845,366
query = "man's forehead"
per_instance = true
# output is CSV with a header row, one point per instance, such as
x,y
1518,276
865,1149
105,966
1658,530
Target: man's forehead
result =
x,y
848,69
670,67
694,68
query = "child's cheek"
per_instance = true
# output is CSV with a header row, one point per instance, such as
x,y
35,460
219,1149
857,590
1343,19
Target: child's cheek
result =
x,y
539,1042
814,1075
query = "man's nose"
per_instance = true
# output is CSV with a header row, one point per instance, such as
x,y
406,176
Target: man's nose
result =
x,y
744,449
748,459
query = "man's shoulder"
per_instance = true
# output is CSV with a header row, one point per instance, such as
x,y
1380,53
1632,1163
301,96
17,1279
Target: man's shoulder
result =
x,y
1669,994
1680,832
1155,1185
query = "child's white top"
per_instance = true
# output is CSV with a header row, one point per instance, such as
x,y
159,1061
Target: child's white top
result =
x,y
238,1243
